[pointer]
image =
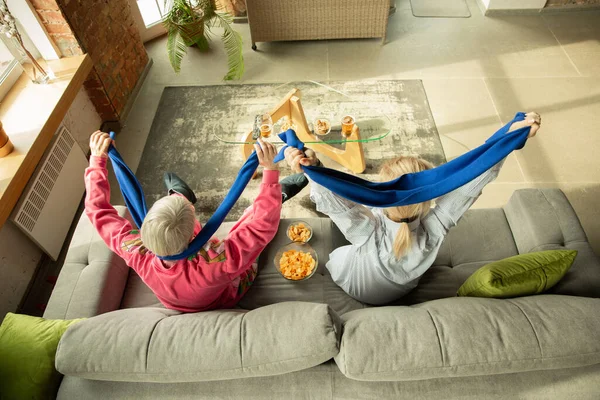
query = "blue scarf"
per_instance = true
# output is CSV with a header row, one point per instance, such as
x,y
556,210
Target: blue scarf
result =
x,y
407,189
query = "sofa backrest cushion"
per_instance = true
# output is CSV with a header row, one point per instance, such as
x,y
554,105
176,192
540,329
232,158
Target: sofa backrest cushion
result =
x,y
543,219
159,345
465,336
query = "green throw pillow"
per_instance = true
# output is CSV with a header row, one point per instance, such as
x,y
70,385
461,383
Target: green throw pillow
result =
x,y
520,275
27,350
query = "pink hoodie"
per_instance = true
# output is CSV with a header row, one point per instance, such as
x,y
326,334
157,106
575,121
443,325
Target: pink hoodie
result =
x,y
218,276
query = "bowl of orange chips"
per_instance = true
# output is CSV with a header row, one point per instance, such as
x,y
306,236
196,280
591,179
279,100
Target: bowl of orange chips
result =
x,y
321,126
299,231
296,261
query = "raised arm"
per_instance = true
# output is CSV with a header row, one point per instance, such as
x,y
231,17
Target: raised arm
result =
x,y
355,221
451,207
112,228
259,224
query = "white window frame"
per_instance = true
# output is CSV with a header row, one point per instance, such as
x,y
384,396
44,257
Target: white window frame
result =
x,y
9,77
147,32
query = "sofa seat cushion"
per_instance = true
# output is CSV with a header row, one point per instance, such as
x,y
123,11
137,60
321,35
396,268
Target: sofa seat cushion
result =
x,y
464,336
482,236
160,345
138,294
270,287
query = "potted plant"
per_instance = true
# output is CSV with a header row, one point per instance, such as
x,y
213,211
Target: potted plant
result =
x,y
189,23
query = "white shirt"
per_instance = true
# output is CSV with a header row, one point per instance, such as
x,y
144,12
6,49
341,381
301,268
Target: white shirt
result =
x,y
368,269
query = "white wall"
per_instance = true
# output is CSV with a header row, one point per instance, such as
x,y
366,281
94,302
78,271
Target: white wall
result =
x,y
19,256
513,4
82,119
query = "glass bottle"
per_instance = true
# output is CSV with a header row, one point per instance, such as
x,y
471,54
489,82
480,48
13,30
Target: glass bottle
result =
x,y
35,67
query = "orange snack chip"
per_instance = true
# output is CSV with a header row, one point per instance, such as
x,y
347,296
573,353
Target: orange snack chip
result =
x,y
296,265
287,124
322,126
299,233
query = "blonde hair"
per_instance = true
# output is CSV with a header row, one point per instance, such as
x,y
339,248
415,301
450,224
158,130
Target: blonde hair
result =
x,y
168,226
391,170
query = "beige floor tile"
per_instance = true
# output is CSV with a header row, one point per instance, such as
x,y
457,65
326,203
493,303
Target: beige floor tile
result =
x,y
287,61
566,149
130,142
402,4
196,67
362,59
454,47
579,34
461,105
465,117
587,62
132,138
273,62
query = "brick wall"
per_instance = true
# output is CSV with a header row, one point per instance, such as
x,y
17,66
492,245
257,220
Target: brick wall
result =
x,y
106,30
57,27
559,3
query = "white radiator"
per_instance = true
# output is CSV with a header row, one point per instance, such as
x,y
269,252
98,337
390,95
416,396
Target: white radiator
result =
x,y
48,205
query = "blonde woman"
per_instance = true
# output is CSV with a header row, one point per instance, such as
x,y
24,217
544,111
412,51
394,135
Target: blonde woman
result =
x,y
391,248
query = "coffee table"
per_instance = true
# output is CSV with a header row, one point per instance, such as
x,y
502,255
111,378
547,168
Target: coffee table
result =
x,y
304,102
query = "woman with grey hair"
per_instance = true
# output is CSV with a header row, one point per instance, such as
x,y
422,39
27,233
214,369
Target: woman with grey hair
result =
x,y
219,275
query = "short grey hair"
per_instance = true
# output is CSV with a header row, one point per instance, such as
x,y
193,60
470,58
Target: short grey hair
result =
x,y
169,226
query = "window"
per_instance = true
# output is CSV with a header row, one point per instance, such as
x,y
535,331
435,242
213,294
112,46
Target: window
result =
x,y
148,15
10,70
6,58
153,11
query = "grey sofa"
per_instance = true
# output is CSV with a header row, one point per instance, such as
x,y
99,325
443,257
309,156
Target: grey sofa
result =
x,y
310,340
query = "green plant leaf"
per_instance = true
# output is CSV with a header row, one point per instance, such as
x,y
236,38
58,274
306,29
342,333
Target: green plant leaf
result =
x,y
184,11
203,42
232,41
176,48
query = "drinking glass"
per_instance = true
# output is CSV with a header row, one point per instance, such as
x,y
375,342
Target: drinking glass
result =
x,y
266,125
347,125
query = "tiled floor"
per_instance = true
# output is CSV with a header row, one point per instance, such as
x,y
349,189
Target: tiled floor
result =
x,y
477,73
